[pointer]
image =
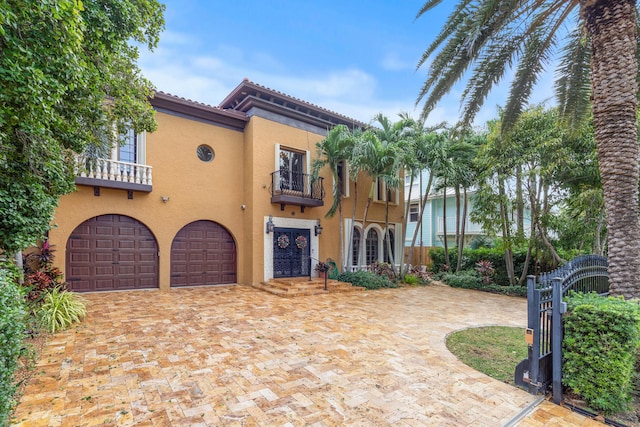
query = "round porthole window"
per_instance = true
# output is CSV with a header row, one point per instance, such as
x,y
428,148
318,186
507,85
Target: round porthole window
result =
x,y
205,153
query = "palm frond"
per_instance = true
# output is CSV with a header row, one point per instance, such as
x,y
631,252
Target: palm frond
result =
x,y
573,86
540,42
451,25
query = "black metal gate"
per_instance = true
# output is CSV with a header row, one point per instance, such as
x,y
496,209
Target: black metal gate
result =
x,y
543,367
291,254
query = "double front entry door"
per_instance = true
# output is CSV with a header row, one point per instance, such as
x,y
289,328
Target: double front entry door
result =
x,y
291,254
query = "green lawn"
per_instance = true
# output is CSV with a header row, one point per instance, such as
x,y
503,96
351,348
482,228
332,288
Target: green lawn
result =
x,y
493,350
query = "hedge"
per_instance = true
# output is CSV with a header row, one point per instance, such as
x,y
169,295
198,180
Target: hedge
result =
x,y
471,256
366,279
600,349
13,325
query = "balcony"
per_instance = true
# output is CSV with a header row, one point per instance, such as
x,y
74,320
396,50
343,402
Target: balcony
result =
x,y
109,173
297,189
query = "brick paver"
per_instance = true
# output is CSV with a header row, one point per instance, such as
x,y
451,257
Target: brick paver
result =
x,y
236,356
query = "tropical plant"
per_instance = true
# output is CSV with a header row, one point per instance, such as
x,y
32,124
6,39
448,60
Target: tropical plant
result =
x,y
60,309
40,275
333,152
398,137
321,267
426,143
366,279
486,270
486,38
69,79
13,325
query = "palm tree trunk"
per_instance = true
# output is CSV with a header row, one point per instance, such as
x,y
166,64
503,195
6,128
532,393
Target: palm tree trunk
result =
x,y
519,203
423,203
463,225
447,261
457,191
405,222
611,25
349,258
506,233
341,253
387,242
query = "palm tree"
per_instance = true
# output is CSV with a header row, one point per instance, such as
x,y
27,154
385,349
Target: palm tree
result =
x,y
334,151
486,37
426,143
378,154
397,138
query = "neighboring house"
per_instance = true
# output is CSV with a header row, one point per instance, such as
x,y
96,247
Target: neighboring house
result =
x,y
216,195
431,233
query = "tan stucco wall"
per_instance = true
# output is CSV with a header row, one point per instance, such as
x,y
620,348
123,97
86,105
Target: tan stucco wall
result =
x,y
196,190
239,175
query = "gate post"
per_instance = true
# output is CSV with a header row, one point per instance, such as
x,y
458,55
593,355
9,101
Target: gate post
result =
x,y
533,320
559,308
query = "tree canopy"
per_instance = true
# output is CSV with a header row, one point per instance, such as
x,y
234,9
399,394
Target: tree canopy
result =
x,y
484,39
69,79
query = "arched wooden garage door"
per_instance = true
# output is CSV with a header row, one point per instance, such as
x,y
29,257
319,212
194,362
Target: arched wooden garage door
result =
x,y
203,253
111,252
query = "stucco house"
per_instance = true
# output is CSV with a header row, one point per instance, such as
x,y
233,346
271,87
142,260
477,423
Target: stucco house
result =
x,y
216,195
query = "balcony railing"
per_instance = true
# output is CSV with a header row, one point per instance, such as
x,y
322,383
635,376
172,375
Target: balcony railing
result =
x,y
469,228
295,188
113,174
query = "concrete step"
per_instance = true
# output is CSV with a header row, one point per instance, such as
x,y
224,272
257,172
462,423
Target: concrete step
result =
x,y
302,286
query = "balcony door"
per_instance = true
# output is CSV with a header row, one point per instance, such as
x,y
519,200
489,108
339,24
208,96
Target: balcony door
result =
x,y
291,170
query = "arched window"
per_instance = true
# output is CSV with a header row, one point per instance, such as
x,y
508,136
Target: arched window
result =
x,y
385,248
355,248
371,245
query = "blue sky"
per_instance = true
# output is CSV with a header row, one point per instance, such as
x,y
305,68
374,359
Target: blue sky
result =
x,y
357,58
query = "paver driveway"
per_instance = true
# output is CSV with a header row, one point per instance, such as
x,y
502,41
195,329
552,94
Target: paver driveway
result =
x,y
237,356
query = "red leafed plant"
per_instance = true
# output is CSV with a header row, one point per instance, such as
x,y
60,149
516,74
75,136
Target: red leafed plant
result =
x,y
486,270
40,274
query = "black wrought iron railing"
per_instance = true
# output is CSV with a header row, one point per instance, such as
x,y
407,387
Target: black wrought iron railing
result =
x,y
297,185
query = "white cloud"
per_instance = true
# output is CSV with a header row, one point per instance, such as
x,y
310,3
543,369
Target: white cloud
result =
x,y
208,78
391,62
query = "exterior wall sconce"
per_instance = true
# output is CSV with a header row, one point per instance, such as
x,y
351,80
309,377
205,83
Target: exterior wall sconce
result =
x,y
317,229
269,227
165,199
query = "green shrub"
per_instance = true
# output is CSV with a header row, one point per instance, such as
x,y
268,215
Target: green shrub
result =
x,y
599,348
463,279
410,279
471,257
13,325
60,309
472,280
366,279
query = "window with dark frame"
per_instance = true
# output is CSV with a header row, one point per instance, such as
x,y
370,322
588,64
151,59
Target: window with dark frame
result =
x,y
371,244
355,249
414,212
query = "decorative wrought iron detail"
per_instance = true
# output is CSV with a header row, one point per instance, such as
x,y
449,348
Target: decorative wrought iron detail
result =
x,y
291,261
543,367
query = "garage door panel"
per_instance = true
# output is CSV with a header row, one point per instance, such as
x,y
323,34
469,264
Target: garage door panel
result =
x,y
127,257
147,257
79,257
115,247
126,231
78,243
103,244
197,253
147,244
104,285
103,257
78,271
